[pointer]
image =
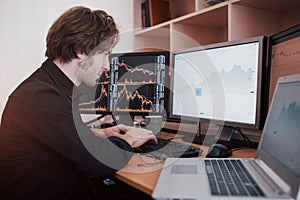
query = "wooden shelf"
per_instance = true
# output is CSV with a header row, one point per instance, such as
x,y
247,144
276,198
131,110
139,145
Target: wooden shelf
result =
x,y
195,23
153,38
271,5
253,17
202,24
180,8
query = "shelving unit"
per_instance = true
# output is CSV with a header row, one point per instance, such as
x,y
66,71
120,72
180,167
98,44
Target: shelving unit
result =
x,y
194,23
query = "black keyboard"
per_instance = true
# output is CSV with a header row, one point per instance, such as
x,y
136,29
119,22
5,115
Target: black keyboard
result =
x,y
167,148
230,177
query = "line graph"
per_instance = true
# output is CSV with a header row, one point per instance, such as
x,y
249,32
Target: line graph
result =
x,y
99,104
287,54
104,78
136,69
134,99
103,94
138,75
136,85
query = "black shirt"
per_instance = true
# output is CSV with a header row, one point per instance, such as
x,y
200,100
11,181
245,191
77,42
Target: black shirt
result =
x,y
45,146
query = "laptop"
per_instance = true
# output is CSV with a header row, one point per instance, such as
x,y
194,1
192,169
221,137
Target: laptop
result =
x,y
274,173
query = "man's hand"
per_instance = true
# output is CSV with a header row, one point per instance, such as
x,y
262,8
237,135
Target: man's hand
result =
x,y
134,136
107,132
138,136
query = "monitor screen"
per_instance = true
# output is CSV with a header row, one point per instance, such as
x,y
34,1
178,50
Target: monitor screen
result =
x,y
284,55
138,77
224,83
134,85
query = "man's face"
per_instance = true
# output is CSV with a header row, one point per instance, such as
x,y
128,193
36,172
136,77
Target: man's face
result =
x,y
93,67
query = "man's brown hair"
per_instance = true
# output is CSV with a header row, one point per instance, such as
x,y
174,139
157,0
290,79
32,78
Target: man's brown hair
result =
x,y
80,30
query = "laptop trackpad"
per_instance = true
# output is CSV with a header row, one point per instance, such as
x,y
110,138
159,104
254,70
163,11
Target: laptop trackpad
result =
x,y
184,169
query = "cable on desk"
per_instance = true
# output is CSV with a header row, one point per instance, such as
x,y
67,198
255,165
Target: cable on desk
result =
x,y
247,141
100,117
144,163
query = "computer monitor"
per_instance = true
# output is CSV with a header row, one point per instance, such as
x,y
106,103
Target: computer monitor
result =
x,y
139,83
284,55
135,85
95,100
222,83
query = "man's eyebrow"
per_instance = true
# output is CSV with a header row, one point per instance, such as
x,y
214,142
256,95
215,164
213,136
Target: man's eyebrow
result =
x,y
107,51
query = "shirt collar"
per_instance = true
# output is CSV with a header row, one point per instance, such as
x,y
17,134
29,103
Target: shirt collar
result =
x,y
61,80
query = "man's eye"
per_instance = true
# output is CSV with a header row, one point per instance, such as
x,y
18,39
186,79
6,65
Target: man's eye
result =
x,y
105,54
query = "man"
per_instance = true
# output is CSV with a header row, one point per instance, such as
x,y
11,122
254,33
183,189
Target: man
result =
x,y
45,148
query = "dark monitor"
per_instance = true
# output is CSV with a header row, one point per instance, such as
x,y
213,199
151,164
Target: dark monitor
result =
x,y
135,85
94,100
223,84
284,55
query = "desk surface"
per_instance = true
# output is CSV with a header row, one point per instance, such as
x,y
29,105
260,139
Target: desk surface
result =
x,y
143,172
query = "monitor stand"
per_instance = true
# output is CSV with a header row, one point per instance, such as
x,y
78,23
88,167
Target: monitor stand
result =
x,y
224,136
225,133
199,138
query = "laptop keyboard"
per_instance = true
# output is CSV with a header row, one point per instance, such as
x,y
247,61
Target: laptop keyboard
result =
x,y
230,177
167,148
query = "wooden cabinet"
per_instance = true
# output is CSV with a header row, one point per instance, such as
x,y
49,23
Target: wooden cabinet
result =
x,y
194,23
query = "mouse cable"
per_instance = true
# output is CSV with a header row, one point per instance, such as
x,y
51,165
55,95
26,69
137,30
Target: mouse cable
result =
x,y
246,139
144,163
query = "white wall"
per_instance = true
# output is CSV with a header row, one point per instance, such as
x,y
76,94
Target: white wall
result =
x,y
24,25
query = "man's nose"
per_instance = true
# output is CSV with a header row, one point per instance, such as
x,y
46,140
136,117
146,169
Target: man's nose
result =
x,y
106,65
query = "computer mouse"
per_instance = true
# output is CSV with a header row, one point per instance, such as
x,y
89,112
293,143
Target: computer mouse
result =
x,y
218,151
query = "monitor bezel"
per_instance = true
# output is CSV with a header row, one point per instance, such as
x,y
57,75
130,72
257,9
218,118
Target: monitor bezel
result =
x,y
263,85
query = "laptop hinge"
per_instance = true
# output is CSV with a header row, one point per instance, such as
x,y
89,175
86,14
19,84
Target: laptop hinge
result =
x,y
278,185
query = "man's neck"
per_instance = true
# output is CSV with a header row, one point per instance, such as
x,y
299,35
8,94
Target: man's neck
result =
x,y
70,69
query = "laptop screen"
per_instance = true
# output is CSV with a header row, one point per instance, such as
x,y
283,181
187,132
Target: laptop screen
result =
x,y
280,143
283,127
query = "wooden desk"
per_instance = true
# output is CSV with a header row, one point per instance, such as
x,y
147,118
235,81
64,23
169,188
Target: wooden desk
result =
x,y
142,172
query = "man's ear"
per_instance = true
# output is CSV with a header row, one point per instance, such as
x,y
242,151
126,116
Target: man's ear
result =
x,y
81,58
